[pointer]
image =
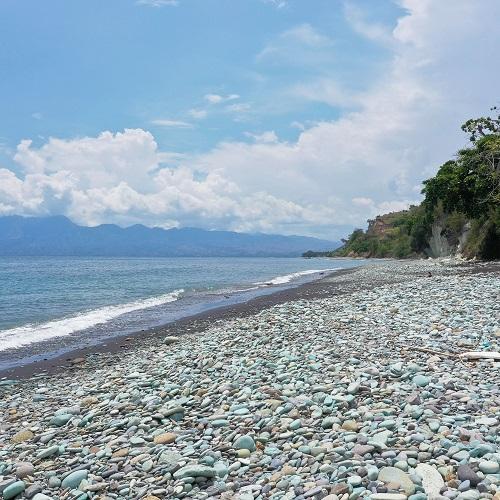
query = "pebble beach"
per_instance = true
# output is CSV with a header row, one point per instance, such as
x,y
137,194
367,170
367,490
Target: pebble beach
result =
x,y
364,394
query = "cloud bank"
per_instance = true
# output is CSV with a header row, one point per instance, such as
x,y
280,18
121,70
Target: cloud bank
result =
x,y
371,159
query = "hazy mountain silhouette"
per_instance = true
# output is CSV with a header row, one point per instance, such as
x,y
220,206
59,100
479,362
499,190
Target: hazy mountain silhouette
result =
x,y
59,236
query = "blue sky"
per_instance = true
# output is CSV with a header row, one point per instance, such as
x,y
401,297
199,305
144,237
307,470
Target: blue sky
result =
x,y
251,115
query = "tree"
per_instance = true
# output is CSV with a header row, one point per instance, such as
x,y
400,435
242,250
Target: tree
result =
x,y
481,127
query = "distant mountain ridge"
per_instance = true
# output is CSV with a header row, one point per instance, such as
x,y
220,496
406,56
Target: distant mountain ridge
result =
x,y
59,236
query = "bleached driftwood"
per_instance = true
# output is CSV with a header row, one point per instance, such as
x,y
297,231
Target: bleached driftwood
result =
x,y
480,355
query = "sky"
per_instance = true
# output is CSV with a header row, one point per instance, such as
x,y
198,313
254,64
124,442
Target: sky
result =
x,y
277,116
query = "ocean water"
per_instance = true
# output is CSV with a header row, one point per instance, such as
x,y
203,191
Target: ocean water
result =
x,y
49,304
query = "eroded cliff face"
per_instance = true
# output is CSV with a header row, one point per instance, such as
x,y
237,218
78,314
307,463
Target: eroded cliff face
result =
x,y
445,242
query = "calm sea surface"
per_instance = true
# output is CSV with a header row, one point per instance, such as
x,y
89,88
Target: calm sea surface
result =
x,y
47,301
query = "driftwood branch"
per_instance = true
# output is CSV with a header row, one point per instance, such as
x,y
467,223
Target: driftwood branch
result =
x,y
481,355
469,355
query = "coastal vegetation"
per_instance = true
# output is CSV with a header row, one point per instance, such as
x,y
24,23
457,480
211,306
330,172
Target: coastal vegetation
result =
x,y
460,212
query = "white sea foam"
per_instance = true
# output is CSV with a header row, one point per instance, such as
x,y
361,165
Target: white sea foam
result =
x,y
28,334
280,280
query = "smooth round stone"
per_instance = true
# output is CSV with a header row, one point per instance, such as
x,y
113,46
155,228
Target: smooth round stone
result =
x,y
13,490
245,442
296,424
147,466
489,467
24,469
195,471
394,475
464,473
48,452
464,486
165,438
354,480
207,460
283,484
74,479
350,425
21,436
54,482
372,472
220,423
60,420
421,380
418,496
461,455
469,495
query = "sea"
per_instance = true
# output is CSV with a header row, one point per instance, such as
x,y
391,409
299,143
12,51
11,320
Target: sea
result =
x,y
51,305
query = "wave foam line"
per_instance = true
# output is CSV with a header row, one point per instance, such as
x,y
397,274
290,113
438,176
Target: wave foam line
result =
x,y
280,280
30,333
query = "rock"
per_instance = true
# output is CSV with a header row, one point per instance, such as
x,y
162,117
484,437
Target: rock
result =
x,y
465,473
170,458
362,449
122,452
194,470
24,469
353,388
54,482
350,425
489,467
166,438
21,436
245,442
48,452
421,380
74,479
41,496
170,339
60,420
469,495
13,490
339,489
32,490
394,475
432,481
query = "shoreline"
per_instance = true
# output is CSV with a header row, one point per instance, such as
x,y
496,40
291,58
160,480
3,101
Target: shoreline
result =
x,y
345,388
195,323
199,322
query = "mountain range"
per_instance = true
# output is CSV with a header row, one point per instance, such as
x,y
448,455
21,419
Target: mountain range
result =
x,y
59,236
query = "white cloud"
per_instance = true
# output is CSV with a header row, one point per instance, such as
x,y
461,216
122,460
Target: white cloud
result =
x,y
358,20
198,114
302,44
37,116
241,107
161,122
326,90
279,4
124,178
369,160
268,137
158,3
217,98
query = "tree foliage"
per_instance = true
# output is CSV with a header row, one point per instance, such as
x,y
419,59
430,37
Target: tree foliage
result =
x,y
465,192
